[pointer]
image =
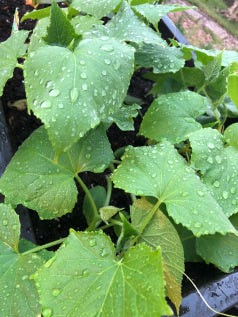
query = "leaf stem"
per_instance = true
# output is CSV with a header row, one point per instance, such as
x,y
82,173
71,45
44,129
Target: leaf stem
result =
x,y
109,191
44,246
91,201
19,66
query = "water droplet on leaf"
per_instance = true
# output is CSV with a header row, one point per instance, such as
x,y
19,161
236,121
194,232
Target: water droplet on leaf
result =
x,y
74,94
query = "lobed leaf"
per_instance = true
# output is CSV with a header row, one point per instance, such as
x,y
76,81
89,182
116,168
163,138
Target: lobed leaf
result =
x,y
64,90
86,278
219,250
10,50
153,13
161,233
160,172
162,59
218,165
173,116
18,294
9,226
47,185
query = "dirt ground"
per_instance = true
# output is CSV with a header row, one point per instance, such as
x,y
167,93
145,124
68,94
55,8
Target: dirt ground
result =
x,y
201,30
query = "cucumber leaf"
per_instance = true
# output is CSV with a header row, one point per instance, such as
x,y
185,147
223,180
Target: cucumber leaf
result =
x,y
95,8
18,294
64,90
10,50
45,184
86,278
9,226
161,233
162,59
173,116
218,165
160,172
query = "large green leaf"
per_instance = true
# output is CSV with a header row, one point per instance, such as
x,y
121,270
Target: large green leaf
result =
x,y
60,31
9,226
173,116
45,185
10,50
86,279
218,165
162,59
161,233
132,28
76,90
39,32
220,250
18,294
160,172
94,7
153,13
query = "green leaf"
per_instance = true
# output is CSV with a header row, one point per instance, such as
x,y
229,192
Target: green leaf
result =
x,y
84,23
161,233
212,69
128,232
98,194
26,245
98,283
231,135
160,172
154,12
9,226
36,14
173,116
220,250
60,31
107,212
218,165
64,90
18,294
10,50
45,185
217,89
96,8
229,57
233,84
39,32
132,28
162,59
124,117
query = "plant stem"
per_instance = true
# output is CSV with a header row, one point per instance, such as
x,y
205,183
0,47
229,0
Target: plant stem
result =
x,y
91,201
109,191
44,246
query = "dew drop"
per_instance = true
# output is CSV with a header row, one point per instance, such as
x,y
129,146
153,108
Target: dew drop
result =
x,y
200,193
107,61
107,48
83,75
5,222
211,145
56,292
197,225
225,194
84,87
92,243
218,159
216,184
47,312
45,104
74,94
54,92
210,160
60,105
85,273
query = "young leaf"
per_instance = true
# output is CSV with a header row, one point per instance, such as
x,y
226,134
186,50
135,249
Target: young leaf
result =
x,y
107,212
18,294
36,14
218,166
212,69
39,32
98,283
162,59
220,250
173,116
231,135
161,233
46,185
132,28
96,8
160,172
64,90
10,50
153,13
60,32
9,226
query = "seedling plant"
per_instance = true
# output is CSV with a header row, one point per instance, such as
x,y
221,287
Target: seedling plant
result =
x,y
182,181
